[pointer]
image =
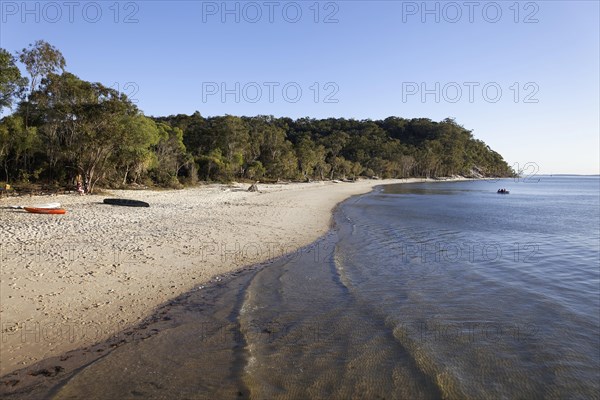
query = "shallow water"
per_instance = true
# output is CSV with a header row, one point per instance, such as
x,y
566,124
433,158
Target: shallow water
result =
x,y
433,290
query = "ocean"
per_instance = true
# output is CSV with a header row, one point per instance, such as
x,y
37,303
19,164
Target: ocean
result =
x,y
419,291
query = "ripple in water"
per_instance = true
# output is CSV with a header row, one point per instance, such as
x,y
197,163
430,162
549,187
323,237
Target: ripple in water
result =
x,y
442,290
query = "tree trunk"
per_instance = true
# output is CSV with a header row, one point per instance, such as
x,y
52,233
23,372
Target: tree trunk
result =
x,y
87,180
125,177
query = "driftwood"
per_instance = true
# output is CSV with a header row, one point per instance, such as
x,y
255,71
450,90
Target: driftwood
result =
x,y
253,187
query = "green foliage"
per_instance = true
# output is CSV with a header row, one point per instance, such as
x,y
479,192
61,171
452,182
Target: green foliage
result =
x,y
133,155
334,148
18,145
212,165
40,60
12,84
256,170
89,127
171,156
68,127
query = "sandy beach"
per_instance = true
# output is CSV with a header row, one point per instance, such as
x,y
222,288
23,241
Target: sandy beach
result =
x,y
74,280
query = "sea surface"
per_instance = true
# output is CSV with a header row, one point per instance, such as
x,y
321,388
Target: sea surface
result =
x,y
420,291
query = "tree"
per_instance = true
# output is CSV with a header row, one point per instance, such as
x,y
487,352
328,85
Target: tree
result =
x,y
171,155
12,84
212,164
335,143
341,168
94,127
17,146
134,152
230,135
308,157
407,164
276,152
255,170
67,126
286,164
41,59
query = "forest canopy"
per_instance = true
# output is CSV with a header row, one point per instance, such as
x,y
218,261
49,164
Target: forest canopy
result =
x,y
62,127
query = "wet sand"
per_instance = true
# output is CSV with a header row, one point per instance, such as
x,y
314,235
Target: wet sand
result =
x,y
79,285
74,280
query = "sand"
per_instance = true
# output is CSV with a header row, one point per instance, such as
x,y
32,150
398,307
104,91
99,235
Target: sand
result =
x,y
74,280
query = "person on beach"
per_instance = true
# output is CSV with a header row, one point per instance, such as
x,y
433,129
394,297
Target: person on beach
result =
x,y
80,188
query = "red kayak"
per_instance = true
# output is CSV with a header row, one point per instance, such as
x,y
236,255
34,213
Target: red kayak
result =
x,y
36,210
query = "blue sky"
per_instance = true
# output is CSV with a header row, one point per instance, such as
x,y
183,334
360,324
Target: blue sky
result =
x,y
524,76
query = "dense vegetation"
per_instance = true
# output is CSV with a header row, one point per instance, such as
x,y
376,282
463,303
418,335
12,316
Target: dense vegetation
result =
x,y
63,127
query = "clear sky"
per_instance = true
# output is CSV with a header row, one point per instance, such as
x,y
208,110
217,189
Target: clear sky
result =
x,y
524,76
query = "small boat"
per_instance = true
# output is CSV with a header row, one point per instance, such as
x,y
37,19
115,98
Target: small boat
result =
x,y
503,191
49,205
126,202
37,210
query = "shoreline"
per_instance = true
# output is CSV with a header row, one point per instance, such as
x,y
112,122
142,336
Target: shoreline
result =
x,y
297,197
77,272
